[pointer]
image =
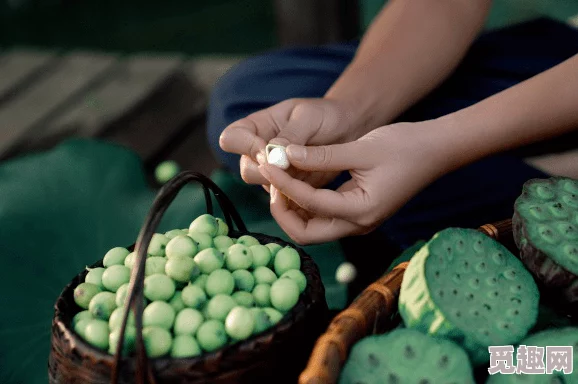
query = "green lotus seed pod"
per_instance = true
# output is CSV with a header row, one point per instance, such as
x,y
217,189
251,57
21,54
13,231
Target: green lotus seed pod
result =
x,y
155,265
115,276
94,276
84,293
462,285
298,277
157,341
158,314
159,287
205,224
438,360
185,346
158,244
545,227
115,256
102,305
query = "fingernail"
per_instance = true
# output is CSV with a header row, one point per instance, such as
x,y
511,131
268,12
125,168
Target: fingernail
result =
x,y
261,158
296,152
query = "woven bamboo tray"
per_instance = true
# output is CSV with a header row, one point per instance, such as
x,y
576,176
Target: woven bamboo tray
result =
x,y
373,312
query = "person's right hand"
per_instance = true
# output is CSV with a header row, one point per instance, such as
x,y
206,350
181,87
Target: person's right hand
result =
x,y
294,121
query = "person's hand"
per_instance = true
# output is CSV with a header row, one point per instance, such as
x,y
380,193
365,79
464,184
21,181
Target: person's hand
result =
x,y
388,166
294,121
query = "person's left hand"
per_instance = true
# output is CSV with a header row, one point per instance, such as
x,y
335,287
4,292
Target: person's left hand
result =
x,y
388,167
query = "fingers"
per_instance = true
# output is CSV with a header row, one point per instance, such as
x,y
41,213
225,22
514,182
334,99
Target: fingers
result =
x,y
339,157
347,205
303,122
250,171
247,136
313,230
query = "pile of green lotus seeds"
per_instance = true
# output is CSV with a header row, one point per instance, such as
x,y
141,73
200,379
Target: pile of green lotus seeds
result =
x,y
203,290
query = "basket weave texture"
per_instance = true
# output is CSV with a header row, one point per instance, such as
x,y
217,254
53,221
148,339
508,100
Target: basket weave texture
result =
x,y
276,355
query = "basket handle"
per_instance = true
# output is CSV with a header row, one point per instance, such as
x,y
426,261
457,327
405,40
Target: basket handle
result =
x,y
134,299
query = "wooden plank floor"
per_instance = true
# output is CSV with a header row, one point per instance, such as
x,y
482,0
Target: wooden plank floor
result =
x,y
153,104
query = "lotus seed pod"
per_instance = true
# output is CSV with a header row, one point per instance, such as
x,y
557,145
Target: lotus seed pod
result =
x,y
545,226
277,156
465,286
393,357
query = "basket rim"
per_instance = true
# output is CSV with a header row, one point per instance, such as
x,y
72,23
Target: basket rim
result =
x,y
314,292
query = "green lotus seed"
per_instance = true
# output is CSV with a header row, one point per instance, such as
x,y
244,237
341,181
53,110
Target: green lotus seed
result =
x,y
220,281
176,232
102,305
96,333
155,265
84,293
82,315
201,281
121,294
209,260
188,321
115,276
158,244
222,242
166,171
223,228
129,260
115,256
262,296
264,275
219,307
115,320
244,299
157,341
261,319
298,277
80,327
181,245
212,335
286,259
94,276
185,346
182,268
274,315
247,241
203,240
346,273
284,294
238,256
159,287
205,224
193,296
177,302
244,280
274,248
158,314
129,340
261,255
239,323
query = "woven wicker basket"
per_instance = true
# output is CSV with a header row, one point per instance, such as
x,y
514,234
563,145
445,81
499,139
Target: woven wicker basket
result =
x,y
276,355
373,312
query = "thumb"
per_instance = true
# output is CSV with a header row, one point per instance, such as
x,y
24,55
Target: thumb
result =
x,y
338,157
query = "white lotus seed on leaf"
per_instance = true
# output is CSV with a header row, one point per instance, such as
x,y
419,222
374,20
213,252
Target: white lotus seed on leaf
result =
x,y
346,273
277,156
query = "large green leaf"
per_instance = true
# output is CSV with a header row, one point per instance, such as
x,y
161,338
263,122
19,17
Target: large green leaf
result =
x,y
62,210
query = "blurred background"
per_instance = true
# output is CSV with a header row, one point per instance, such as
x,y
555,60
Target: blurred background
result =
x,y
96,94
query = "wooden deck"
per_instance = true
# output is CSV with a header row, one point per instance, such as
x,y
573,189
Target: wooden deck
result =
x,y
150,103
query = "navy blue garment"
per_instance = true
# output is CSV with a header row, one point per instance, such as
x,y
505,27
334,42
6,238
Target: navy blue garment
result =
x,y
474,195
